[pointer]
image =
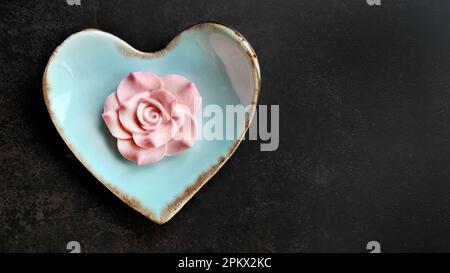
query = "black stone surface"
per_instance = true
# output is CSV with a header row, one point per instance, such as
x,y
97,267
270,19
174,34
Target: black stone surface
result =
x,y
365,131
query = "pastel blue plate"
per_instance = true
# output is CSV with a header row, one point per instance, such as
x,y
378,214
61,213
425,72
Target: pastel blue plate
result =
x,y
89,65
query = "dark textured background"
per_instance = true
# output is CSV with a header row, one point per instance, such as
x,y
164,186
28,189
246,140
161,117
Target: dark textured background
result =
x,y
365,131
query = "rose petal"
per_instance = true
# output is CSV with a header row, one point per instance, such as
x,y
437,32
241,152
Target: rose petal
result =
x,y
166,99
111,103
128,115
164,114
112,122
178,114
137,82
185,137
184,90
157,137
128,111
131,151
141,110
111,118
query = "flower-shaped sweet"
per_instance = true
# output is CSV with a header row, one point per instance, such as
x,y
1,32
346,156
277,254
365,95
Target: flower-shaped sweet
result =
x,y
152,117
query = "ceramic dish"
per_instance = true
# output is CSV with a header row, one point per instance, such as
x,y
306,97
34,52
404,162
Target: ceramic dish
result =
x,y
89,65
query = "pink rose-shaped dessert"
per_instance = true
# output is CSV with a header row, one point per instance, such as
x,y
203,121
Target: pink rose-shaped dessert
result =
x,y
152,117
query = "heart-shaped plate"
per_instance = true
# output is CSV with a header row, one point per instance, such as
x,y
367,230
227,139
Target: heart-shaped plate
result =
x,y
89,65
